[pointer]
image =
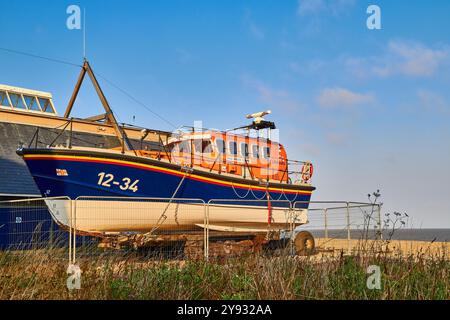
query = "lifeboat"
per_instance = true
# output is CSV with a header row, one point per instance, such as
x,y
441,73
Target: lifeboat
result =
x,y
226,180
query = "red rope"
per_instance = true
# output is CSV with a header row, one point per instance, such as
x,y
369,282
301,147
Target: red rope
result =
x,y
269,209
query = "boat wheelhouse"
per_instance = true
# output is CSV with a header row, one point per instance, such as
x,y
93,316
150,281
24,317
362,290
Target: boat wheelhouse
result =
x,y
236,155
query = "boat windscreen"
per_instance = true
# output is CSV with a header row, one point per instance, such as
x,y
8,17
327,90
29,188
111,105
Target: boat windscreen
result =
x,y
185,147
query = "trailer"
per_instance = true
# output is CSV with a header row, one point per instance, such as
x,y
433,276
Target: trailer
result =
x,y
216,244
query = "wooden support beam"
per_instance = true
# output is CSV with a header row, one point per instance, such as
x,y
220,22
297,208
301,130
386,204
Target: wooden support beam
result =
x,y
97,118
75,91
108,116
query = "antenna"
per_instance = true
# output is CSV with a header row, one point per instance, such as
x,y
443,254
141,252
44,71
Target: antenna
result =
x,y
258,122
258,116
84,33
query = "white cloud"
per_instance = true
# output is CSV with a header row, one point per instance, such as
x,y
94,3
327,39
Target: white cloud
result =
x,y
312,7
253,28
277,98
401,58
311,66
432,101
414,59
337,138
341,98
256,31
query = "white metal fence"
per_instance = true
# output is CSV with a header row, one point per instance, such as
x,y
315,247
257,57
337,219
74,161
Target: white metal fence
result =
x,y
178,228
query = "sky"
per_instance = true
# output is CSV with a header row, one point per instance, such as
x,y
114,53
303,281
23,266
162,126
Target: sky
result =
x,y
370,108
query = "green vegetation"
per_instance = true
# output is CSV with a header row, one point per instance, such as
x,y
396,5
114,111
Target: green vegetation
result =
x,y
41,274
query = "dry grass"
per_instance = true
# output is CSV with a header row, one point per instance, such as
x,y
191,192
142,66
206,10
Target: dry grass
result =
x,y
41,274
403,248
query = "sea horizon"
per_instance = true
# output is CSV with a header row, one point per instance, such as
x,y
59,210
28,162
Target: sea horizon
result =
x,y
412,234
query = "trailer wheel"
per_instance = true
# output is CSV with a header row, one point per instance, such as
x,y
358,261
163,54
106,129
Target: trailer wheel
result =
x,y
304,243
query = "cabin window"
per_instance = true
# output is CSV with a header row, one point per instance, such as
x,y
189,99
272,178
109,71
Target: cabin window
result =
x,y
173,148
31,103
266,152
17,101
255,151
185,147
232,147
4,99
244,149
207,147
202,146
197,145
220,146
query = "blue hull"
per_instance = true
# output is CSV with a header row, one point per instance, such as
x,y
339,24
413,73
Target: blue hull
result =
x,y
77,173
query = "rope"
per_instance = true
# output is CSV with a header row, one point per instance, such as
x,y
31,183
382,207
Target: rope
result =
x,y
40,57
176,213
293,200
269,210
163,216
256,196
281,194
137,101
248,191
97,74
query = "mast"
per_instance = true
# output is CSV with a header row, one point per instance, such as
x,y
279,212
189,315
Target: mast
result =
x,y
108,116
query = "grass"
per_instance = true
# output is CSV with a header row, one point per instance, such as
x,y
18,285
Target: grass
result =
x,y
41,274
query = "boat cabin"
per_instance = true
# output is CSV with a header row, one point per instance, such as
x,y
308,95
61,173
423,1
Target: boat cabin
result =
x,y
225,153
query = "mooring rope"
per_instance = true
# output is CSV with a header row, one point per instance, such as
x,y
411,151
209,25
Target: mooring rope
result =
x,y
176,213
163,216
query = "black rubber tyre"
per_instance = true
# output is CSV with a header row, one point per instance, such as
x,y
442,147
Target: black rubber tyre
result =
x,y
304,243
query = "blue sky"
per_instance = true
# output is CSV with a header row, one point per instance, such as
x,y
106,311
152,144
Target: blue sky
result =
x,y
370,108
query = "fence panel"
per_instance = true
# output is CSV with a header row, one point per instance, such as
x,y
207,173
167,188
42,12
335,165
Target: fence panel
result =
x,y
238,226
28,224
337,219
153,227
177,228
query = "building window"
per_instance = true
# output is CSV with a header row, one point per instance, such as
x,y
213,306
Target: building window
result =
x,y
24,99
4,99
46,106
17,101
31,103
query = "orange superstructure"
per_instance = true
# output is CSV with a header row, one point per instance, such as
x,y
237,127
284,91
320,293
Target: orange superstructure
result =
x,y
240,155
